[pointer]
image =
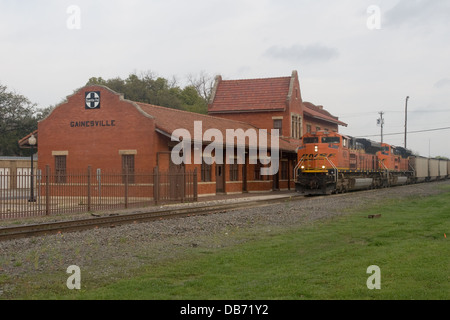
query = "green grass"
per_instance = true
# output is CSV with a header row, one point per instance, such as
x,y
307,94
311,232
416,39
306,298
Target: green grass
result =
x,y
323,260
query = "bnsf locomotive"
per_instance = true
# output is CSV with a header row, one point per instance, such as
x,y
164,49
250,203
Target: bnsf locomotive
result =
x,y
329,162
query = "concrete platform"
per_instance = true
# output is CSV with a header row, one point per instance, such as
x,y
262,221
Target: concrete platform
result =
x,y
242,197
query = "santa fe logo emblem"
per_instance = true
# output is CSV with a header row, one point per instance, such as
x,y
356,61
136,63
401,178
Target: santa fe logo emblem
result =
x,y
92,99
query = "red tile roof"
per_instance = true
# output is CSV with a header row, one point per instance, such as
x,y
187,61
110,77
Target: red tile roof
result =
x,y
168,120
318,112
250,95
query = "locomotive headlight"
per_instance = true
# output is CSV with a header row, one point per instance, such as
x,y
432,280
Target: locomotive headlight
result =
x,y
303,167
323,167
316,148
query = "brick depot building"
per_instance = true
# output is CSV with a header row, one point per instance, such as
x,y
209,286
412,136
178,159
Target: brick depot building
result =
x,y
271,103
97,127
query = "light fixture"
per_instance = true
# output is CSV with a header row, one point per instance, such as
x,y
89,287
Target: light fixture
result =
x,y
32,140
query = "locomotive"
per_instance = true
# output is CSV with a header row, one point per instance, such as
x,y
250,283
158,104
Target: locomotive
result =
x,y
329,162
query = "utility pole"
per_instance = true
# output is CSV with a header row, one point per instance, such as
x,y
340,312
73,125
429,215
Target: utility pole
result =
x,y
380,122
429,148
406,117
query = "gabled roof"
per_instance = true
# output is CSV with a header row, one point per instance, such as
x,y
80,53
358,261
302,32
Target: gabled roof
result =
x,y
318,112
168,120
250,95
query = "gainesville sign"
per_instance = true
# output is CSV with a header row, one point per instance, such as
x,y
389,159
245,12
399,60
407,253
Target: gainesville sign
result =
x,y
92,123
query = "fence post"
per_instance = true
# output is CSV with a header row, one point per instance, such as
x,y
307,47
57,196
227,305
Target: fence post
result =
x,y
184,186
47,190
89,188
155,185
195,185
126,187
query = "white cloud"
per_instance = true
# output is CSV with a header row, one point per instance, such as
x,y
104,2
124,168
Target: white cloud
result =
x,y
303,54
445,82
417,13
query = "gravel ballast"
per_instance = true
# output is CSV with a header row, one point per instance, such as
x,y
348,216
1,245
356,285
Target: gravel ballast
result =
x,y
112,253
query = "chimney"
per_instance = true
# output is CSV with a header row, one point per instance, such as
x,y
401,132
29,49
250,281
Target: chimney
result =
x,y
218,79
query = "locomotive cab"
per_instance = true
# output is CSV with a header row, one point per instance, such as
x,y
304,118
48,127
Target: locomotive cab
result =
x,y
319,155
394,158
319,152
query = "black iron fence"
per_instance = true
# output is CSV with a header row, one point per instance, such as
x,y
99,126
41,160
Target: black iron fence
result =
x,y
23,194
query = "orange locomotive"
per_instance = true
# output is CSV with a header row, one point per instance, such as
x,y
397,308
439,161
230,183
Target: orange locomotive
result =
x,y
331,163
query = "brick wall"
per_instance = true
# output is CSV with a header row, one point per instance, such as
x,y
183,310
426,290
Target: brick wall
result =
x,y
96,136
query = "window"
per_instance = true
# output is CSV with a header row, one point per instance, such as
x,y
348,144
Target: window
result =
x,y
128,168
257,172
308,128
284,170
299,124
331,140
310,140
60,169
205,172
296,125
278,124
317,129
234,171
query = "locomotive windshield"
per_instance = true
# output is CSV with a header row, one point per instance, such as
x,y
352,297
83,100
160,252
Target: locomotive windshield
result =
x,y
310,140
331,140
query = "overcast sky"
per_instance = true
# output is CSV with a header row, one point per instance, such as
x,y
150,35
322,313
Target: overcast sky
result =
x,y
354,57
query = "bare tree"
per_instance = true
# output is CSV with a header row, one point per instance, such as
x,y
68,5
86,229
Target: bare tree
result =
x,y
203,84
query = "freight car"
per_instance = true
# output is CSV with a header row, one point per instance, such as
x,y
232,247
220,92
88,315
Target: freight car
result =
x,y
329,162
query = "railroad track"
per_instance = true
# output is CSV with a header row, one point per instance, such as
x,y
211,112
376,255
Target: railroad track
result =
x,y
26,231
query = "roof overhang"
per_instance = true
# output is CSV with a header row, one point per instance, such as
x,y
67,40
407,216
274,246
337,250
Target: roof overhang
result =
x,y
334,121
282,146
244,111
23,143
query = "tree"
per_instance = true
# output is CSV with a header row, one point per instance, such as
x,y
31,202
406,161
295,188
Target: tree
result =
x,y
18,118
192,101
147,87
203,84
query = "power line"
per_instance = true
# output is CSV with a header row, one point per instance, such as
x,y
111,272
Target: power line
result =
x,y
370,113
394,134
380,121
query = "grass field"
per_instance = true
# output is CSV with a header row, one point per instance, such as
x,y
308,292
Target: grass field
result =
x,y
322,260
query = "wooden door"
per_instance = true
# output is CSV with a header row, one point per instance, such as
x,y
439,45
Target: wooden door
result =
x,y
220,178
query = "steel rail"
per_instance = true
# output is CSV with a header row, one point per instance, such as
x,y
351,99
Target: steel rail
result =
x,y
26,231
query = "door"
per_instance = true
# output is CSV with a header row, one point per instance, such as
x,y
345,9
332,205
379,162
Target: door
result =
x,y
176,177
23,178
244,177
276,181
220,178
4,178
